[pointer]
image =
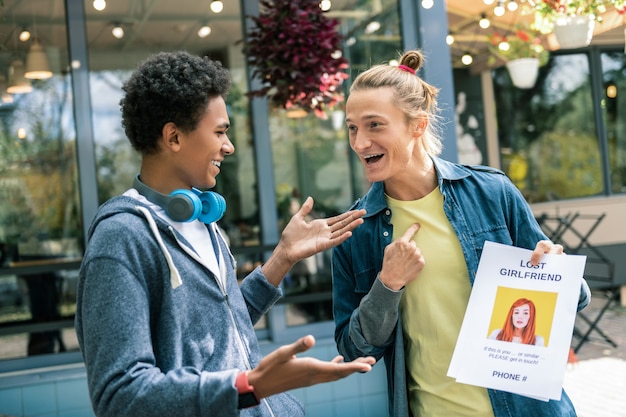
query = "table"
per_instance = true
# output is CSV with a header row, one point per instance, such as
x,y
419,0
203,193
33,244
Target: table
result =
x,y
42,279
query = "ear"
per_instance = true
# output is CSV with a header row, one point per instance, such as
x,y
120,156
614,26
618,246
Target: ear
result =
x,y
420,124
169,136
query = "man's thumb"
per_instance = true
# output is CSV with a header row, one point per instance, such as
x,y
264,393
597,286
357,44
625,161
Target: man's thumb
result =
x,y
303,344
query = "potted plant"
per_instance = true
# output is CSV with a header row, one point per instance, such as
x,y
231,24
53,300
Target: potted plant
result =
x,y
620,6
523,54
295,52
572,21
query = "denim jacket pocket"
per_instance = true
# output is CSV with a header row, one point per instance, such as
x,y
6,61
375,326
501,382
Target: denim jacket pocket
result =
x,y
499,234
364,280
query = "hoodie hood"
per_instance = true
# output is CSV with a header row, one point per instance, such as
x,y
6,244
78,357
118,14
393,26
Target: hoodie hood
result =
x,y
125,204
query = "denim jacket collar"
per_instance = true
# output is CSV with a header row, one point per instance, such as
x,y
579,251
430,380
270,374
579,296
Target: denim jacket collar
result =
x,y
374,201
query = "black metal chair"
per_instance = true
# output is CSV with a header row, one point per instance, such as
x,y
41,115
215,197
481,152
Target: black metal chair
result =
x,y
599,269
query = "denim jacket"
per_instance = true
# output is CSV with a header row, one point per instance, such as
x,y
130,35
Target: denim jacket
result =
x,y
481,204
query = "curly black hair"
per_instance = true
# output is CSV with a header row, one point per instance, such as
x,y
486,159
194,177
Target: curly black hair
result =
x,y
169,87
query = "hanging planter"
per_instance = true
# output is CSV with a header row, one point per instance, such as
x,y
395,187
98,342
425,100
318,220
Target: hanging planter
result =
x,y
523,71
573,21
295,52
523,54
574,31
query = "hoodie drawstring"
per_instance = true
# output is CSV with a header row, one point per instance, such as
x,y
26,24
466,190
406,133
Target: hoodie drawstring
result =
x,y
175,279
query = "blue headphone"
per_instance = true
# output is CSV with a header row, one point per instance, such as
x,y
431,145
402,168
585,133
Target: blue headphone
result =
x,y
186,205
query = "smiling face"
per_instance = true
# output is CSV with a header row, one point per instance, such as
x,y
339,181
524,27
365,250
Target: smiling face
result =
x,y
385,142
202,150
520,316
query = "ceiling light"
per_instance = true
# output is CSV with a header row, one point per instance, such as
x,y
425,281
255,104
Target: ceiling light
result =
x,y
216,6
118,31
499,10
512,5
611,91
427,4
37,65
204,31
467,59
325,5
450,39
17,83
24,35
99,5
484,22
372,27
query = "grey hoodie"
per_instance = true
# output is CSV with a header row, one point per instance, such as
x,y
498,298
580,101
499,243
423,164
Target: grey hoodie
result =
x,y
159,335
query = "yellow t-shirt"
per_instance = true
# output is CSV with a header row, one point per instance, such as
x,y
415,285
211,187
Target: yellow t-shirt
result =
x,y
432,309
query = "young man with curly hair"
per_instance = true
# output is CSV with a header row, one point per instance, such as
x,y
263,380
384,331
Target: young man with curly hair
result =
x,y
163,326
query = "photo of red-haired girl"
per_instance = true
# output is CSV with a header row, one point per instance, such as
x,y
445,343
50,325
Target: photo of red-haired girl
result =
x,y
519,326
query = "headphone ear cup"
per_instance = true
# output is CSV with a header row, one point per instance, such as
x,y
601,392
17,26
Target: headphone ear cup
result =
x,y
213,207
183,206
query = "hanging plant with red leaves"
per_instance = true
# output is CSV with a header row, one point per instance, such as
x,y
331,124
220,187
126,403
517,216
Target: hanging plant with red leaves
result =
x,y
295,52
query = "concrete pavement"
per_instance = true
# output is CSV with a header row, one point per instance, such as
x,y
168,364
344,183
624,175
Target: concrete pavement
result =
x,y
596,383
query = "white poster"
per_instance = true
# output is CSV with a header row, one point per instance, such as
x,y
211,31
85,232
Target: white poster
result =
x,y
517,329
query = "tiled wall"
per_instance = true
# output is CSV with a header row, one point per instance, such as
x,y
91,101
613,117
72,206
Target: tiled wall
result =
x,y
57,398
65,393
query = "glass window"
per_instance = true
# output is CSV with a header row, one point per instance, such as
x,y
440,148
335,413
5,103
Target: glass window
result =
x,y
312,157
372,36
168,27
613,104
547,134
40,228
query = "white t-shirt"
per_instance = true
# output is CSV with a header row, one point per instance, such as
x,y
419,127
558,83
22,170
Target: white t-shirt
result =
x,y
516,339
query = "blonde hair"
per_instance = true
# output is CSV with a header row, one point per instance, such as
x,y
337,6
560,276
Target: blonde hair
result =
x,y
412,95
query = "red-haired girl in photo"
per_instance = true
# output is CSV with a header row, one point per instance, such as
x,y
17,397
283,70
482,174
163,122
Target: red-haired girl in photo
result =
x,y
519,326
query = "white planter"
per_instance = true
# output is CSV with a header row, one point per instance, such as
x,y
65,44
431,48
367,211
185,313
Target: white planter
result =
x,y
523,71
573,31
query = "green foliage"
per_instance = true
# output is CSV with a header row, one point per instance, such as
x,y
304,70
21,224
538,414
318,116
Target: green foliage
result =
x,y
38,173
553,148
523,43
551,9
565,164
117,167
294,51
